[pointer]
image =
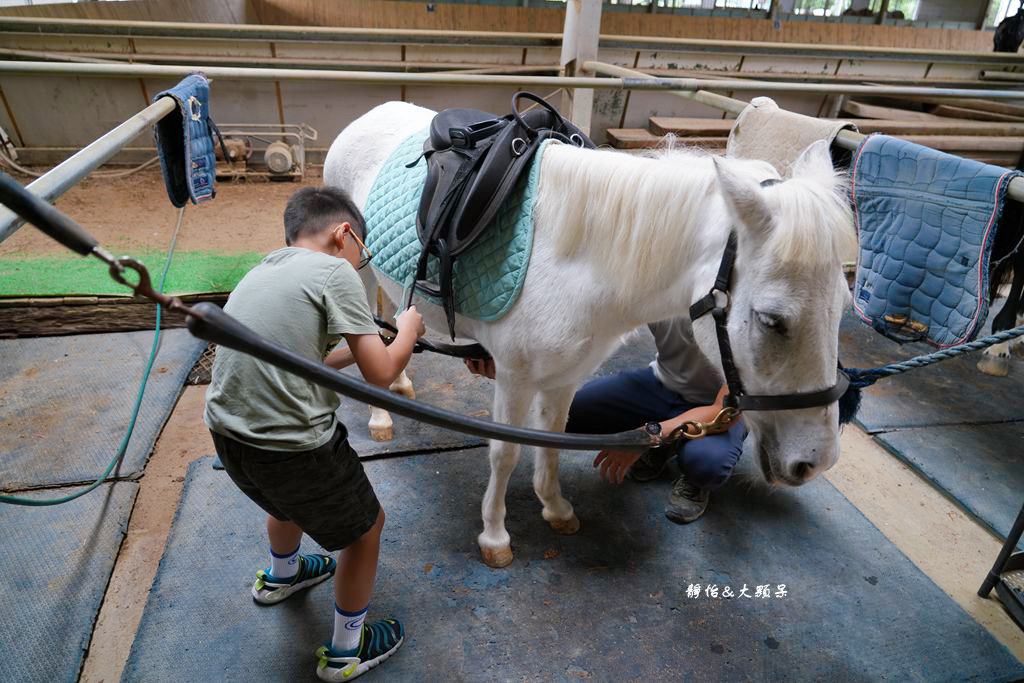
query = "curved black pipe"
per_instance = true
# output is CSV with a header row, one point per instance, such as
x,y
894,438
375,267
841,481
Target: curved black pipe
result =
x,y
207,321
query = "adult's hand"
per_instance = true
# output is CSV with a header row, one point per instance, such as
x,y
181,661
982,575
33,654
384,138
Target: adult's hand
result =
x,y
615,464
484,368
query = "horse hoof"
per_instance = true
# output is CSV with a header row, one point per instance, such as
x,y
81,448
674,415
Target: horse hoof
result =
x,y
994,366
565,527
382,433
497,557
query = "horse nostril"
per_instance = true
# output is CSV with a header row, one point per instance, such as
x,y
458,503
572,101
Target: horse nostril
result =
x,y
802,470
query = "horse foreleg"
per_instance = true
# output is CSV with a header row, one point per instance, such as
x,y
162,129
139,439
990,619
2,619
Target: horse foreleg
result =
x,y
381,425
495,544
995,360
550,410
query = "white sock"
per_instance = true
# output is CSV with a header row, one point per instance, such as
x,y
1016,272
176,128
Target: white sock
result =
x,y
348,626
284,566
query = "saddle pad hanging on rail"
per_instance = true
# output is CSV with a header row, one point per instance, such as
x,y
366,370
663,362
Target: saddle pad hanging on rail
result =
x,y
926,222
489,275
184,141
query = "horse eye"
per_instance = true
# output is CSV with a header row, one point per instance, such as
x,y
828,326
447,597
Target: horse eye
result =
x,y
773,322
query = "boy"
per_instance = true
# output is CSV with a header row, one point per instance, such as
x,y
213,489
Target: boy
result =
x,y
278,436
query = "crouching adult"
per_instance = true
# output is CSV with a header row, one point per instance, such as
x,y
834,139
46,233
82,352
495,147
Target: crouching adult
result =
x,y
679,385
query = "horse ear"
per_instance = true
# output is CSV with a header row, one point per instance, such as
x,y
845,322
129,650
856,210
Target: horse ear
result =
x,y
743,199
814,162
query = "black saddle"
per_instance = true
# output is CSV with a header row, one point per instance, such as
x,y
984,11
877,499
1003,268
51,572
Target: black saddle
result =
x,y
473,162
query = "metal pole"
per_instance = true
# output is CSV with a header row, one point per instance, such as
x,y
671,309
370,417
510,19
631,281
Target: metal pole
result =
x,y
37,26
633,82
57,56
847,139
882,11
1002,76
62,177
992,578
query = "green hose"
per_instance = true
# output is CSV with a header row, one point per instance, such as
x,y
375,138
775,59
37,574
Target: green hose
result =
x,y
39,502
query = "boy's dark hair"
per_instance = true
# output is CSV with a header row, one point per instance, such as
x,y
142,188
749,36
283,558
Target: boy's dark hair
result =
x,y
314,209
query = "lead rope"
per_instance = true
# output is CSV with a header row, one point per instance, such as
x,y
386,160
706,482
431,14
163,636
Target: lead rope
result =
x,y
123,448
860,378
865,377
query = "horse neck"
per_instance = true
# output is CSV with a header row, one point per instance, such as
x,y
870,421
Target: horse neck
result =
x,y
651,231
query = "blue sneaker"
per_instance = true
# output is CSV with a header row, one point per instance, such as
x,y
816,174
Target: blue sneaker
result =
x,y
313,569
377,642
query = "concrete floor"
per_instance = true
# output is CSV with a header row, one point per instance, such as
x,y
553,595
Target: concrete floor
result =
x,y
947,545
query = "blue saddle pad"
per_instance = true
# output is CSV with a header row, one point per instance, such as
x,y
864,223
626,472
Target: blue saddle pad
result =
x,y
926,221
487,277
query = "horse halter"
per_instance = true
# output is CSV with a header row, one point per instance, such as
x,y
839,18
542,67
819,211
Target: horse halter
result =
x,y
737,397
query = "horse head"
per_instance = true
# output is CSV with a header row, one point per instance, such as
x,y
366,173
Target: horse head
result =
x,y
786,299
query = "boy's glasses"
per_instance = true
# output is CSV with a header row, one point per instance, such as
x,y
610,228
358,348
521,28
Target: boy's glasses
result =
x,y
365,255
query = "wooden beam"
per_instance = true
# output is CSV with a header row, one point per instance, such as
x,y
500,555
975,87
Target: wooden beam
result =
x,y
950,111
875,111
37,317
684,127
640,138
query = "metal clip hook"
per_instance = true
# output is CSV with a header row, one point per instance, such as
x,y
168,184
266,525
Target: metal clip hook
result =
x,y
144,287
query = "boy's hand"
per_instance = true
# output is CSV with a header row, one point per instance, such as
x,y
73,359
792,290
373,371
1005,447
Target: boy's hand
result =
x,y
411,318
484,368
615,464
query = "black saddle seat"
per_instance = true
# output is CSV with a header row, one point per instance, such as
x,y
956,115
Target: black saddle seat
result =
x,y
474,159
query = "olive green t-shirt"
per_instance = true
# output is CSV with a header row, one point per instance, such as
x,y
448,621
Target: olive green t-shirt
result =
x,y
305,301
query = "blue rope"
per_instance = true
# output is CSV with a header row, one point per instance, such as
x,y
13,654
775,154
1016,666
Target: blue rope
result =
x,y
116,460
865,377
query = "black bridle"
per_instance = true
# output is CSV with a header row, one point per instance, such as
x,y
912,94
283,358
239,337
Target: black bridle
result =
x,y
737,397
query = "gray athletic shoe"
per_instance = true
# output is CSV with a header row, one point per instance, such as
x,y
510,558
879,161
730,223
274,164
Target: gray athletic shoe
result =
x,y
687,503
651,464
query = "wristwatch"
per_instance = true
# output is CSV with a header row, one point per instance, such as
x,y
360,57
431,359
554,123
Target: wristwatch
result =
x,y
653,428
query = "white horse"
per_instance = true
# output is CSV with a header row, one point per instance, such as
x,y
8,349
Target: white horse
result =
x,y
622,240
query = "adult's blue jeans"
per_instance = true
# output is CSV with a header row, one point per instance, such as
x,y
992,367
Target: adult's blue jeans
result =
x,y
630,399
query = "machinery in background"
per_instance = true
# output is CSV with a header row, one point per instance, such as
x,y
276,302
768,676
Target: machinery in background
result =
x,y
269,150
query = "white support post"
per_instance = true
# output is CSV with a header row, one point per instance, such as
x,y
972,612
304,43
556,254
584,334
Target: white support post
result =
x,y
579,45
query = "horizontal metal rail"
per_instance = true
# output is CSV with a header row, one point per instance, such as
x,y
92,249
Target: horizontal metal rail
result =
x,y
474,67
62,177
384,77
847,139
260,32
1002,76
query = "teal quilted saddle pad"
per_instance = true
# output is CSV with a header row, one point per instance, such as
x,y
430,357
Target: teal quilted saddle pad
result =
x,y
488,276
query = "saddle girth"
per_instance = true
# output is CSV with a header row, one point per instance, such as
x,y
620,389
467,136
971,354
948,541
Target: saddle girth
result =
x,y
474,160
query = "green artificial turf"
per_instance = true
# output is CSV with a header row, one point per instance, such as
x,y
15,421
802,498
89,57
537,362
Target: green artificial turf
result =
x,y
192,272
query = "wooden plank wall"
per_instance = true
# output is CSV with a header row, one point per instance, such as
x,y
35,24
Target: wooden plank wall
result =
x,y
451,16
205,11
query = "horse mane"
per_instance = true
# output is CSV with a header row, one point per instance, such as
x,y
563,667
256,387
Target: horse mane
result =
x,y
612,209
639,214
814,224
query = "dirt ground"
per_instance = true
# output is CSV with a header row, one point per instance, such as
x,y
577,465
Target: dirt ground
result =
x,y
133,214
